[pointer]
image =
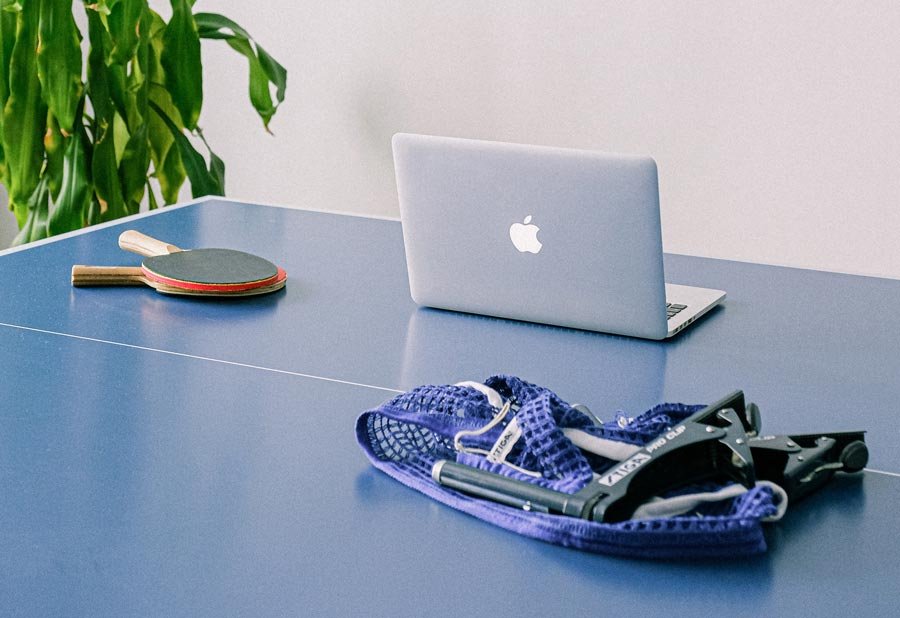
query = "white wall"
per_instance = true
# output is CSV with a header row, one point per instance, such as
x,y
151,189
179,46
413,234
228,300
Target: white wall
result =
x,y
776,125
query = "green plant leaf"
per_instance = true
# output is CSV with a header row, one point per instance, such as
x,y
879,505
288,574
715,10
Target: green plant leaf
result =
x,y
180,58
216,165
121,136
214,26
118,90
54,147
160,138
276,73
67,163
203,181
167,165
35,225
124,23
263,68
133,168
104,166
106,177
260,97
166,160
69,210
102,6
156,28
24,115
7,40
171,175
93,213
59,61
137,84
217,170
151,198
97,72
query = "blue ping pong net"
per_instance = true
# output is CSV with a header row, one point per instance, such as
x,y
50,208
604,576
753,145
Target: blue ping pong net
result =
x,y
405,436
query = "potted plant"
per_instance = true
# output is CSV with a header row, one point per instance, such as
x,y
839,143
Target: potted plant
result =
x,y
89,139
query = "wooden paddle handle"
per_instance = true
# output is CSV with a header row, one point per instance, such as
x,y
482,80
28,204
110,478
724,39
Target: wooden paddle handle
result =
x,y
134,241
107,275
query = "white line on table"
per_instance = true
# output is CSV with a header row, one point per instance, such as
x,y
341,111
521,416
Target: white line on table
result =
x,y
205,358
883,472
259,367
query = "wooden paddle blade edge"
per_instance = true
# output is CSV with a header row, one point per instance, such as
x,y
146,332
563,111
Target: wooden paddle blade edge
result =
x,y
174,291
136,242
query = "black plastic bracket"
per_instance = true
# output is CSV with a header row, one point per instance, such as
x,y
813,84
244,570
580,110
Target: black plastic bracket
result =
x,y
718,442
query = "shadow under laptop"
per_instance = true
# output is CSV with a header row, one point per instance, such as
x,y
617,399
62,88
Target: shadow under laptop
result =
x,y
605,372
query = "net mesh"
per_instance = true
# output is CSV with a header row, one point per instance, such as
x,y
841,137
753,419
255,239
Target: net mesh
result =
x,y
406,435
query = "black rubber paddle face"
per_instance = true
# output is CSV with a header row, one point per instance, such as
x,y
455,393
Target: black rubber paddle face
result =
x,y
211,266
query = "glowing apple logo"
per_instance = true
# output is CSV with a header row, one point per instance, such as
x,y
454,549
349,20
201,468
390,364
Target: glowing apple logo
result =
x,y
524,236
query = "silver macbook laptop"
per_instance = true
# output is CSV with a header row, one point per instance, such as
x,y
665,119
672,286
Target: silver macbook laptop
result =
x,y
550,235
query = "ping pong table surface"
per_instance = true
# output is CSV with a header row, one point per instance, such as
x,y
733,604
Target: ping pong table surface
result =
x,y
183,457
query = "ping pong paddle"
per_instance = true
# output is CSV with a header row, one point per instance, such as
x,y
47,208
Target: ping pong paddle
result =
x,y
83,276
200,272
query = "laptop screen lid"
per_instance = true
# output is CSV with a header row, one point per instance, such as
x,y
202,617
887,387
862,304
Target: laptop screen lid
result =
x,y
547,235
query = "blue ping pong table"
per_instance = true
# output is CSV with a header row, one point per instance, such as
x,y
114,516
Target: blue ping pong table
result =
x,y
164,456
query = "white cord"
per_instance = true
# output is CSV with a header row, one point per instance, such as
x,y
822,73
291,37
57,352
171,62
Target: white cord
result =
x,y
498,418
658,508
